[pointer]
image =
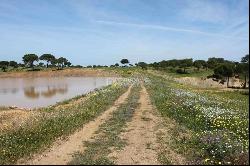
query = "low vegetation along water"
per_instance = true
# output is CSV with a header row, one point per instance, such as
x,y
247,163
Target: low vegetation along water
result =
x,y
41,92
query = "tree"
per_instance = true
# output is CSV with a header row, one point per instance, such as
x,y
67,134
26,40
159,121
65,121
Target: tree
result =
x,y
245,68
199,64
143,65
185,63
155,65
79,66
47,57
224,70
117,64
174,62
56,62
21,65
29,59
13,64
41,64
65,62
124,61
245,59
68,64
62,61
4,65
214,62
205,65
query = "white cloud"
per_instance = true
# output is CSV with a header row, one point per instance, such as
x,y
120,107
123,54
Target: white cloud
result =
x,y
205,11
166,28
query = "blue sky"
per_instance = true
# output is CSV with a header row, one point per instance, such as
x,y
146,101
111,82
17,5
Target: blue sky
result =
x,y
105,31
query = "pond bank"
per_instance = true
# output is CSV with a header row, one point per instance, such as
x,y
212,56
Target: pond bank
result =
x,y
60,73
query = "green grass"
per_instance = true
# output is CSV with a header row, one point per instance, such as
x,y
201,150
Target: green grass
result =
x,y
164,160
125,71
108,135
41,132
68,101
19,69
192,72
218,121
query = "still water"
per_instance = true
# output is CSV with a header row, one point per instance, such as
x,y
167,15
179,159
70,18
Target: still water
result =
x,y
41,92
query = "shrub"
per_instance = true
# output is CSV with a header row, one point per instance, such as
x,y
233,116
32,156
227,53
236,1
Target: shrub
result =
x,y
180,71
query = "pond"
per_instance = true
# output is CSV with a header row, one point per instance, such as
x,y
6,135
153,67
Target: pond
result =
x,y
45,91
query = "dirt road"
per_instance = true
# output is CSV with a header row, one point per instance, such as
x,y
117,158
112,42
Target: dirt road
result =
x,y
61,152
147,138
140,135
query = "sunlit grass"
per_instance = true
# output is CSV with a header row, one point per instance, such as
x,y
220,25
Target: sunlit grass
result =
x,y
219,121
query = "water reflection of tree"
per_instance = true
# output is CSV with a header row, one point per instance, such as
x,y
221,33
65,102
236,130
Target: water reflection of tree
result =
x,y
63,89
30,92
5,91
95,82
51,91
14,90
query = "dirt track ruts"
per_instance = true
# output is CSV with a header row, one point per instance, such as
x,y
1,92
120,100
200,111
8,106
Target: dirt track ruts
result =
x,y
142,134
61,151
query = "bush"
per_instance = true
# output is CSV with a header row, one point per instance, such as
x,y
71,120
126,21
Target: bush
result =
x,y
210,76
222,81
217,76
180,71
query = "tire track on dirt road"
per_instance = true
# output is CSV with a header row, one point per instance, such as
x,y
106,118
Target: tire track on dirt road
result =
x,y
61,151
141,135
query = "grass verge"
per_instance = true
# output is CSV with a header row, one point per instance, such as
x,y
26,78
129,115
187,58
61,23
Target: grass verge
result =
x,y
218,122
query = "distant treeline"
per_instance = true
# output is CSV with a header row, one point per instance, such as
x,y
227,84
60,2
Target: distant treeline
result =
x,y
29,59
222,68
211,63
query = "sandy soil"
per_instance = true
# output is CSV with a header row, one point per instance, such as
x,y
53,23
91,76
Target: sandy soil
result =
x,y
61,151
208,83
11,119
204,83
141,137
199,82
57,73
